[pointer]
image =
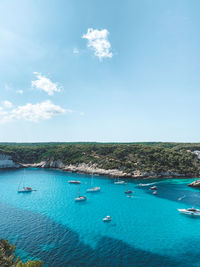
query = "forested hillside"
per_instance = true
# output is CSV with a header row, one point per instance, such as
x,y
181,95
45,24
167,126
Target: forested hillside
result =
x,y
128,157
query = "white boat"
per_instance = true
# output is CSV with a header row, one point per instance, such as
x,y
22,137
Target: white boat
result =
x,y
107,219
153,188
155,192
190,211
146,184
119,182
23,188
74,182
93,188
79,197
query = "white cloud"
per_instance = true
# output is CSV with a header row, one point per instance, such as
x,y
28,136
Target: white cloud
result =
x,y
98,41
7,104
45,84
20,92
75,51
32,112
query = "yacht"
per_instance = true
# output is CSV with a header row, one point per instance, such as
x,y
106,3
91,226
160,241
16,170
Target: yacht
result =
x,y
93,188
107,219
153,187
74,182
80,198
25,190
128,192
119,182
190,211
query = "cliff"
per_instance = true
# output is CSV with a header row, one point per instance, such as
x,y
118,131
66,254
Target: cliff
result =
x,y
93,168
6,162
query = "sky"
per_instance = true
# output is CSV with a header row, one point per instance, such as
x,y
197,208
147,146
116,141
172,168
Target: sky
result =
x,y
99,70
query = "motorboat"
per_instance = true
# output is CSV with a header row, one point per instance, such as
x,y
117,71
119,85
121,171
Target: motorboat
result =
x,y
80,198
190,211
93,189
74,182
128,192
107,219
25,190
153,187
155,192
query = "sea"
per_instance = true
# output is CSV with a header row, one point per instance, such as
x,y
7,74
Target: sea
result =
x,y
146,229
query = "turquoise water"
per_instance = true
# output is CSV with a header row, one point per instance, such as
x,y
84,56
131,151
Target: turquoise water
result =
x,y
146,230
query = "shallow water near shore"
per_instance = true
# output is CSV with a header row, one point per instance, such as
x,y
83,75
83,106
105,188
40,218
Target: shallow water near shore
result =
x,y
146,230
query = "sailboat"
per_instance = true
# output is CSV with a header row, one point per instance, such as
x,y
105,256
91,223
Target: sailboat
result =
x,y
119,181
23,189
79,197
93,188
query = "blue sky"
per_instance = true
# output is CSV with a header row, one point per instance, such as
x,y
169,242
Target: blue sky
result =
x,y
96,70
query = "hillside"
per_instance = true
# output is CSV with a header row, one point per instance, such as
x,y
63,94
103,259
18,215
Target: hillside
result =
x,y
162,159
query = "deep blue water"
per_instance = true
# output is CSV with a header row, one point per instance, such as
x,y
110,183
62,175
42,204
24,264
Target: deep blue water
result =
x,y
146,230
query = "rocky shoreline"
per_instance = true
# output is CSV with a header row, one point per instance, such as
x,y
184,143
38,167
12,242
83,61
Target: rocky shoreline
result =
x,y
6,162
92,168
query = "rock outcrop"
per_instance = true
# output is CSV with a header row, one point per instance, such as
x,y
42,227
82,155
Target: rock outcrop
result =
x,y
6,162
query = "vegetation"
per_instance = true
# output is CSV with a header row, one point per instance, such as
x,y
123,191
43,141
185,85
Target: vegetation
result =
x,y
128,157
8,258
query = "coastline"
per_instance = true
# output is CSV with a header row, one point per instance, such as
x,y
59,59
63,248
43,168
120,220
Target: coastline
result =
x,y
84,168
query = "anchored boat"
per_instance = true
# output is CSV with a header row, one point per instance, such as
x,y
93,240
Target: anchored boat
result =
x,y
74,182
190,211
93,188
79,197
23,188
118,181
107,219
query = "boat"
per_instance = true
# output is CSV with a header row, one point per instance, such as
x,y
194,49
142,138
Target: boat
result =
x,y
74,182
79,197
93,188
24,189
119,182
146,184
153,187
155,192
128,192
107,219
190,211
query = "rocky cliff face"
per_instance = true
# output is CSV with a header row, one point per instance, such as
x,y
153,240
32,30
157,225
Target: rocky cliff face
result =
x,y
7,162
89,168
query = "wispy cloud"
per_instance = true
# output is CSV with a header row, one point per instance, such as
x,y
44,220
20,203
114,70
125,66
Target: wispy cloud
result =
x,y
32,112
75,51
7,104
20,92
45,84
98,42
